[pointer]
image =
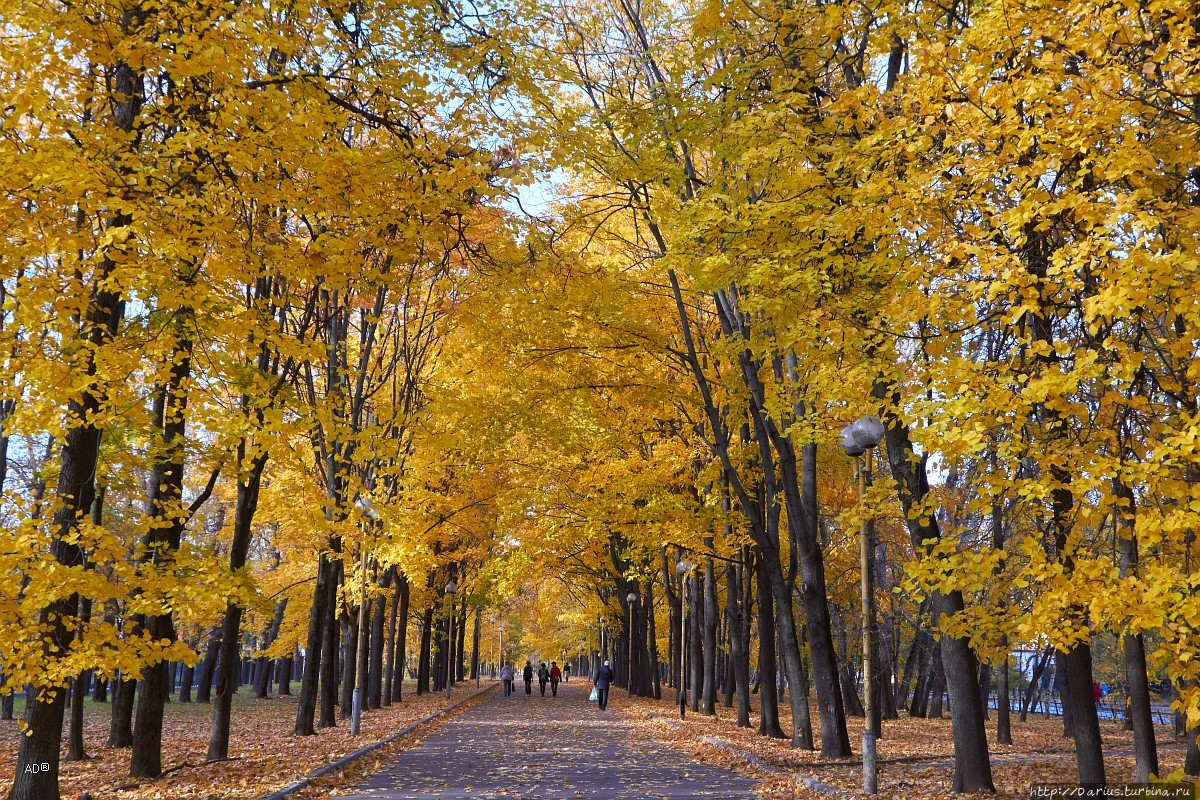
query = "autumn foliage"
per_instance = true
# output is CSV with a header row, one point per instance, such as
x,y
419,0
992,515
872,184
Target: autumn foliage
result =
x,y
333,338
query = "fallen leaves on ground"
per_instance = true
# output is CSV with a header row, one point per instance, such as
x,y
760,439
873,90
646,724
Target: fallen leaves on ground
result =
x,y
264,753
1039,753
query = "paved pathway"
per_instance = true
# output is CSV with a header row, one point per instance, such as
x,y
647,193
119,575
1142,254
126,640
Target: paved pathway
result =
x,y
535,748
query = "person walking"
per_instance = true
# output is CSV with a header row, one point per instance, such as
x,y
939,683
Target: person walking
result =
x,y
567,672
604,678
527,674
543,677
506,675
555,677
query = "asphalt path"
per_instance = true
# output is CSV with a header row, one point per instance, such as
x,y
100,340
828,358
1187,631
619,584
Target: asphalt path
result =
x,y
546,748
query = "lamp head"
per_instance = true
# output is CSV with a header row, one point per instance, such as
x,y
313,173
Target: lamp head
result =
x,y
367,508
631,598
848,443
867,431
451,587
683,567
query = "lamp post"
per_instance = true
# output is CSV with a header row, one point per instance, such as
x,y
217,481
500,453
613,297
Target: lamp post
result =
x,y
368,511
857,440
630,599
684,568
451,588
500,648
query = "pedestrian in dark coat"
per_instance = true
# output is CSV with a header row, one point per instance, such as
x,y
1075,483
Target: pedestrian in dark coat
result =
x,y
543,677
604,678
528,675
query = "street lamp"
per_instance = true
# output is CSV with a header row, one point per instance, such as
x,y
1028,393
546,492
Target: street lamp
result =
x,y
451,588
684,568
857,440
630,599
367,510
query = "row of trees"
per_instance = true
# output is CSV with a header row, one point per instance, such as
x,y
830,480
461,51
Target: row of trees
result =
x,y
236,237
977,223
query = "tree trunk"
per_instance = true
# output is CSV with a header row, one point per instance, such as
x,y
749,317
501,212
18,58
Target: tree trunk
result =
x,y
375,667
460,646
425,653
695,642
1191,761
120,726
306,707
652,637
250,469
850,699
350,634
99,691
674,609
329,649
937,689
75,748
389,669
1035,679
1085,721
163,507
1140,715
768,703
985,687
708,698
738,650
285,674
262,666
475,644
208,666
1003,703
912,664
401,639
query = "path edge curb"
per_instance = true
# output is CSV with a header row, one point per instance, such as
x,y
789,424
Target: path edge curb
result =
x,y
350,758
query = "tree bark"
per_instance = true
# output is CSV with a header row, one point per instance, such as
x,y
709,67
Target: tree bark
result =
x,y
262,666
389,672
163,507
401,639
708,697
1003,703
738,650
285,674
350,646
768,680
375,668
250,470
306,707
120,726
329,648
425,653
1144,748
852,704
208,666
